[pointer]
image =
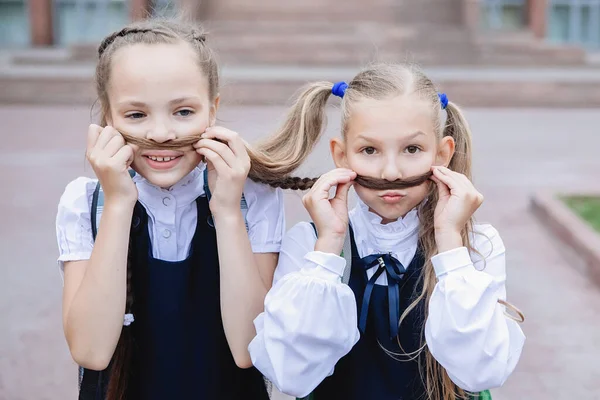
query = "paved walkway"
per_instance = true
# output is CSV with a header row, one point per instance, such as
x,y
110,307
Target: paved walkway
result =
x,y
516,153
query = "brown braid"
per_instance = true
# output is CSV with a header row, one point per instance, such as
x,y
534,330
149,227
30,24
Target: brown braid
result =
x,y
112,37
121,363
288,182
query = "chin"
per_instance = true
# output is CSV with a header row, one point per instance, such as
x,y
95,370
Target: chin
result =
x,y
388,212
164,179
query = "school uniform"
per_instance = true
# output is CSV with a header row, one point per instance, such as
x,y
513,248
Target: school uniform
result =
x,y
343,341
180,346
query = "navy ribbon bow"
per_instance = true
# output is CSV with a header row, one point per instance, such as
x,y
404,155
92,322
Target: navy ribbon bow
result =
x,y
395,272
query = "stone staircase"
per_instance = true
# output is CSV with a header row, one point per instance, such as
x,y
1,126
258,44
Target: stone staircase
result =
x,y
295,39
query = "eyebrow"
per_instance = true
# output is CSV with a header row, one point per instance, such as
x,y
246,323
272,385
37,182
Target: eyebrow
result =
x,y
410,137
414,135
173,102
184,100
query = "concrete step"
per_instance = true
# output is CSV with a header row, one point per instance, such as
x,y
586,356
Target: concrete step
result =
x,y
303,11
267,85
522,49
446,12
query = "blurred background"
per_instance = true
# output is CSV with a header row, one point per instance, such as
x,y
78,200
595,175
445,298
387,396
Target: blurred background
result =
x,y
526,71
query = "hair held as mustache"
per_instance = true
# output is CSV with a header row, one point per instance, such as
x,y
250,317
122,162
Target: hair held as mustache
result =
x,y
364,181
382,184
172,144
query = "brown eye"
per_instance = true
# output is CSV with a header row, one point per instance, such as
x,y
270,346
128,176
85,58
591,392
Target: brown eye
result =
x,y
369,150
412,149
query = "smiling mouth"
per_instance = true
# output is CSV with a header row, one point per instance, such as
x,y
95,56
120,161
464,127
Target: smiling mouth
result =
x,y
162,159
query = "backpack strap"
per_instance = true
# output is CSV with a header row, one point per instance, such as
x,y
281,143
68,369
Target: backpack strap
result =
x,y
243,203
98,205
346,252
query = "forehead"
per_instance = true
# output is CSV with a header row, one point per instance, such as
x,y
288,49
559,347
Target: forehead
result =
x,y
152,69
402,115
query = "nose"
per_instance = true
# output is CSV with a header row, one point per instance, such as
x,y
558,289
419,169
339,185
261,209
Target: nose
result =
x,y
391,171
161,132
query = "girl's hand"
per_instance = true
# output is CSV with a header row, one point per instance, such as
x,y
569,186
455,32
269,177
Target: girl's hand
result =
x,y
330,215
458,201
228,165
110,157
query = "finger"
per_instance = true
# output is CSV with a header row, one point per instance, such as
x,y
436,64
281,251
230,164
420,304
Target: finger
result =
x,y
105,136
341,193
335,176
115,143
231,138
214,158
446,179
92,136
340,172
221,149
325,183
124,155
443,190
460,179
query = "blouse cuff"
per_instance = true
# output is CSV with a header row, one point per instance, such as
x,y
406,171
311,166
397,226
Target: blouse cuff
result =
x,y
451,260
328,261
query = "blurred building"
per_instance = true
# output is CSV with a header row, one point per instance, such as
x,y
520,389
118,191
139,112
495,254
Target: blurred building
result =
x,y
487,53
64,22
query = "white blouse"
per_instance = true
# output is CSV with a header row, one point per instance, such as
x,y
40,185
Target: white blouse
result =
x,y
310,317
172,217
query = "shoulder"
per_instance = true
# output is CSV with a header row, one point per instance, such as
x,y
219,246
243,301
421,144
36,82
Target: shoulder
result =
x,y
264,202
265,217
299,240
254,192
77,195
73,222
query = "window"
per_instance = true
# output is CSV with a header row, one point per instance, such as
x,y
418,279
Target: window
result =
x,y
504,14
14,24
574,21
87,21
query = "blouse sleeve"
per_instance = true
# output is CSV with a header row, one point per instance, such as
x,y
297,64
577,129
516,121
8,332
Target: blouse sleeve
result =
x,y
265,217
466,330
73,222
310,317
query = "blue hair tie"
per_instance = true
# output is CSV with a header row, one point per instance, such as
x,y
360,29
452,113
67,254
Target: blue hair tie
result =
x,y
339,89
443,100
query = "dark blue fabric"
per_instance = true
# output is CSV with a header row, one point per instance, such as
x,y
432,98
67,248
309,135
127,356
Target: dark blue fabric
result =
x,y
369,372
394,271
180,349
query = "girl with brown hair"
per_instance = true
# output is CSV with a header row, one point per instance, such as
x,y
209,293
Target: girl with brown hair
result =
x,y
160,303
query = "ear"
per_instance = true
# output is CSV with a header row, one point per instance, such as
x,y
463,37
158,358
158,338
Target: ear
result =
x,y
338,152
445,151
213,111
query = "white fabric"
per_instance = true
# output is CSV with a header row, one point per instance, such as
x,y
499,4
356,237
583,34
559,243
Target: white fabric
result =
x,y
172,217
310,317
